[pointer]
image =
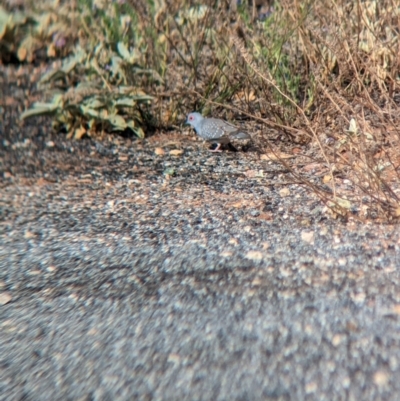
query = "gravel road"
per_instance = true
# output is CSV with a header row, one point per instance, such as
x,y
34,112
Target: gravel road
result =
x,y
154,270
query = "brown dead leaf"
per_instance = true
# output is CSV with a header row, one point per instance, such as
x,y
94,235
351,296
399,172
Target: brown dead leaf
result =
x,y
79,132
246,95
396,212
266,216
41,182
236,204
313,166
21,54
51,50
326,178
159,151
277,156
176,152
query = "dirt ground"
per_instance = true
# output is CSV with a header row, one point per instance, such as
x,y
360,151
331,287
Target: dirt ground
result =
x,y
155,270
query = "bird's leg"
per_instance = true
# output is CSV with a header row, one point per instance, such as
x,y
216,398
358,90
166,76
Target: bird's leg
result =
x,y
217,149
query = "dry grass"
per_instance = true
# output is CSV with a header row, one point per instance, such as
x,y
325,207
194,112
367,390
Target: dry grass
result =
x,y
318,79
324,73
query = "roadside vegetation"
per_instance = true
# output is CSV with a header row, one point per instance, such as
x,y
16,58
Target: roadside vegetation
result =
x,y
315,81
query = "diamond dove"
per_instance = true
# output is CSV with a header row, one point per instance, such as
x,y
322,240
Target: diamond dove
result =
x,y
215,130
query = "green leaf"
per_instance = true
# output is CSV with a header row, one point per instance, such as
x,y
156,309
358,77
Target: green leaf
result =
x,y
125,102
137,130
87,111
118,122
130,57
4,19
70,65
98,49
52,75
123,50
58,100
142,97
131,124
39,109
95,103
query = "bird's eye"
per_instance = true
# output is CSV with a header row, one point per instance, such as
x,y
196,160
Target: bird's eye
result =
x,y
191,118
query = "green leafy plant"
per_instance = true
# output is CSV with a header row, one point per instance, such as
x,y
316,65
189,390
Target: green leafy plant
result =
x,y
48,32
103,100
87,110
13,27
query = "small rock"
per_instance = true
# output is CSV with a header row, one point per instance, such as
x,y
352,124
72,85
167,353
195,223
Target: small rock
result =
x,y
174,358
5,298
311,387
250,173
254,255
50,144
323,231
284,192
29,234
266,216
359,297
307,236
346,382
381,378
337,339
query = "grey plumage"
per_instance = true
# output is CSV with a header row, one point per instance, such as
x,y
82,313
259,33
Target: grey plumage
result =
x,y
215,130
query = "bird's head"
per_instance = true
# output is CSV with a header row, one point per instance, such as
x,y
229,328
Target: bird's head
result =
x,y
194,119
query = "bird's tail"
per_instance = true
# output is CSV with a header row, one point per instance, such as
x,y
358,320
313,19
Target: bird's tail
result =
x,y
240,135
